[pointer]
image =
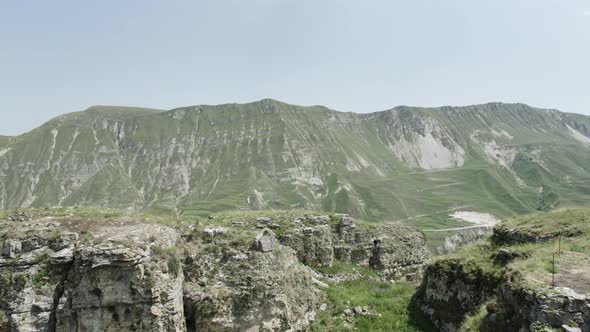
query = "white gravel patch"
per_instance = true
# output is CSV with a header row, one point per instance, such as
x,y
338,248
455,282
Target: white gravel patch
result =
x,y
478,218
578,136
4,151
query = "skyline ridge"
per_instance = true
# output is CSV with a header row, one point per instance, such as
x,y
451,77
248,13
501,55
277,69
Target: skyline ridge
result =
x,y
131,107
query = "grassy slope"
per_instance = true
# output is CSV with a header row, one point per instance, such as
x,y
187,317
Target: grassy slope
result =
x,y
4,140
479,183
390,304
532,266
262,155
534,261
75,141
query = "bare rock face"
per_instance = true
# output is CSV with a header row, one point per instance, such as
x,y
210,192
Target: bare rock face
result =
x,y
120,274
524,308
65,274
145,296
463,237
11,248
249,290
313,245
452,289
115,283
264,241
345,221
394,250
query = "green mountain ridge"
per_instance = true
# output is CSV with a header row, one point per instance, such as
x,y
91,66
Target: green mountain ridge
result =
x,y
4,140
408,163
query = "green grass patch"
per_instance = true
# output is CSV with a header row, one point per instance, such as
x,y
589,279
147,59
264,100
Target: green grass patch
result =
x,y
472,323
389,304
41,277
533,262
339,267
170,254
567,222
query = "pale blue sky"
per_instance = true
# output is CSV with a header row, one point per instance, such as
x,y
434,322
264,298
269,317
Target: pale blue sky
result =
x,y
362,56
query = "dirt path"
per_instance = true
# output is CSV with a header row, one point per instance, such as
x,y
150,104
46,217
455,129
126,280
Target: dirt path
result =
x,y
440,186
453,229
480,220
475,167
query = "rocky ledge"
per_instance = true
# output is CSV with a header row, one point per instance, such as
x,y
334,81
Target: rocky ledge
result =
x,y
59,274
522,278
394,250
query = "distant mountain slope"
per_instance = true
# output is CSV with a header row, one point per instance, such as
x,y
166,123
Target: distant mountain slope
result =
x,y
397,164
4,140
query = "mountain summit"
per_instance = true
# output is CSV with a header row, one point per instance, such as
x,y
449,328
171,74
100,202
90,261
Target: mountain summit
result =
x,y
398,164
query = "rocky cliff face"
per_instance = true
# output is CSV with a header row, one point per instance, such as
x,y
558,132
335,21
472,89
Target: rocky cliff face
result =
x,y
463,237
394,250
527,309
59,275
248,291
119,272
451,289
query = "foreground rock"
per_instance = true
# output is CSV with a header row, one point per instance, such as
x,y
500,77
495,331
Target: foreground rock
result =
x,y
121,273
452,289
248,290
500,284
110,281
72,274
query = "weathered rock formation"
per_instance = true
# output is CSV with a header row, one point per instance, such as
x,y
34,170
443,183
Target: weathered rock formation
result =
x,y
451,289
504,235
313,244
122,273
456,287
394,250
51,279
248,290
525,308
462,237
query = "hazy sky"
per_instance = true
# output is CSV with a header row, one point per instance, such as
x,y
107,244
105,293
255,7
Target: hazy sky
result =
x,y
64,56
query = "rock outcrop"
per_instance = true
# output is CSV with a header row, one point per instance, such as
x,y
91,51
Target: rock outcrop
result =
x,y
463,237
394,250
504,235
313,244
524,309
57,282
122,273
499,284
452,289
264,241
248,290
